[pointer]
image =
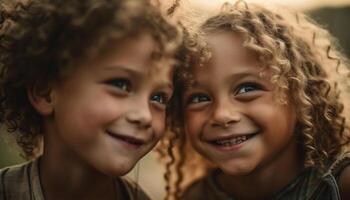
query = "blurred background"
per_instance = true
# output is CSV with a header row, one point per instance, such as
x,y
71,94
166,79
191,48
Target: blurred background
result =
x,y
331,14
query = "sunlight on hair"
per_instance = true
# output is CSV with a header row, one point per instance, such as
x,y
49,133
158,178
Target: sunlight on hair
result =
x,y
298,4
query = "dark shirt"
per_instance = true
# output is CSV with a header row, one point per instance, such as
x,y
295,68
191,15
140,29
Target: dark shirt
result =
x,y
309,185
22,182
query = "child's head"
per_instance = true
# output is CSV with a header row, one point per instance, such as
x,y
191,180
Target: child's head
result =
x,y
93,77
259,86
231,113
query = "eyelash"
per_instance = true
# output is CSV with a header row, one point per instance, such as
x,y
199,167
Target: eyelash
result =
x,y
121,84
164,98
124,85
200,98
251,85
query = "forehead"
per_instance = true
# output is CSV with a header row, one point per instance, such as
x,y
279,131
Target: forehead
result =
x,y
229,47
162,70
133,54
138,54
138,46
228,53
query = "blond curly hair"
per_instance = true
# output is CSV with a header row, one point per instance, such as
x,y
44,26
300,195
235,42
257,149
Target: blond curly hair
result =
x,y
306,63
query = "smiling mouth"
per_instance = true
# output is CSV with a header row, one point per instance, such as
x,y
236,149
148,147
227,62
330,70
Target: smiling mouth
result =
x,y
231,141
127,139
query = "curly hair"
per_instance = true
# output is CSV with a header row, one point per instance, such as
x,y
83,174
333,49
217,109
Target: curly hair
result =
x,y
306,63
40,38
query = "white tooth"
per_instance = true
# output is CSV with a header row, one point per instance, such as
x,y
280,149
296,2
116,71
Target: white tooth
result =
x,y
233,141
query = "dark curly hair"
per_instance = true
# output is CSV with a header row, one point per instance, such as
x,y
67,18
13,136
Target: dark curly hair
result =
x,y
40,38
306,63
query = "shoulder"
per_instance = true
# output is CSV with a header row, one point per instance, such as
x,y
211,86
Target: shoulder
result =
x,y
14,180
204,188
341,171
344,183
131,189
15,173
195,190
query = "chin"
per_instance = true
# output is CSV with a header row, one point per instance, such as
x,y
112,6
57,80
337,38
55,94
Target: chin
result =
x,y
231,172
236,170
119,169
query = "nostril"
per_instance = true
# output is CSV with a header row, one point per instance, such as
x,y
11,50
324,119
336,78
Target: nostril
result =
x,y
225,123
228,124
147,126
142,121
226,118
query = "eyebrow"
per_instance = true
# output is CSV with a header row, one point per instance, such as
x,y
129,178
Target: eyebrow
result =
x,y
241,75
123,68
134,73
167,84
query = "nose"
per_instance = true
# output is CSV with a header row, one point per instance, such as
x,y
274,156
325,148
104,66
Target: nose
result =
x,y
140,115
225,114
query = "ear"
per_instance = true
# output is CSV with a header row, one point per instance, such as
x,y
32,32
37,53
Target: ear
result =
x,y
41,100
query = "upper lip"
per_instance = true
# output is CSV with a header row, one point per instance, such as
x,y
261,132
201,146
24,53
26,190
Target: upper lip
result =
x,y
127,138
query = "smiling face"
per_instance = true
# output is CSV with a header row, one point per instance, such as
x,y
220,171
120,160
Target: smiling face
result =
x,y
110,111
232,116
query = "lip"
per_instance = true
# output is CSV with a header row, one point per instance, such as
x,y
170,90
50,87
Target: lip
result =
x,y
127,140
213,142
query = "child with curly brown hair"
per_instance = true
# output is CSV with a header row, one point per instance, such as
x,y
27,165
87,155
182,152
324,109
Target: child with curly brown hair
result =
x,y
85,83
261,99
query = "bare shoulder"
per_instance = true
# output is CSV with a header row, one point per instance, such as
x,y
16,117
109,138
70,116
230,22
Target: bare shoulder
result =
x,y
344,183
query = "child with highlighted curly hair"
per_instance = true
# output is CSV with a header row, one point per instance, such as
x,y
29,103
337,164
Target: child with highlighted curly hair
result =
x,y
84,87
261,109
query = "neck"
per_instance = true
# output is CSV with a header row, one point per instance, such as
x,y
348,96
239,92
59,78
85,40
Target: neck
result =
x,y
65,176
266,180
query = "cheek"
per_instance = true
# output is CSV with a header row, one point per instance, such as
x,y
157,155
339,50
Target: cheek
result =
x,y
277,120
288,120
93,113
158,123
194,123
284,117
103,110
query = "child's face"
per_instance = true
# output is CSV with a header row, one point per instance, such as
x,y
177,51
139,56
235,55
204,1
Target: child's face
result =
x,y
232,116
110,111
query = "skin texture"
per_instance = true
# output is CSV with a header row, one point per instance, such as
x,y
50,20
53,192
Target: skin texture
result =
x,y
92,115
232,96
